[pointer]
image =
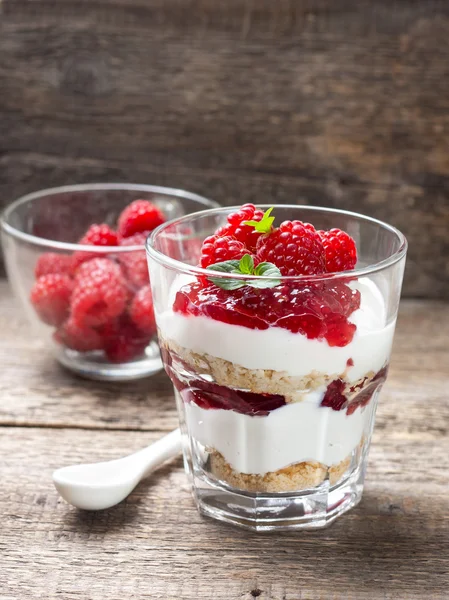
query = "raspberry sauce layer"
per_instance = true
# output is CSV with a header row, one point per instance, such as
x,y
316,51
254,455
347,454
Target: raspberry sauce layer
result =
x,y
318,311
209,395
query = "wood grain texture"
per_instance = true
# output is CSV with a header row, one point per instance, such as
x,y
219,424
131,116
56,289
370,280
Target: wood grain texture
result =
x,y
339,104
155,545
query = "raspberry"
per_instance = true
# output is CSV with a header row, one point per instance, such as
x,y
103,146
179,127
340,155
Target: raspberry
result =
x,y
364,396
100,294
96,235
99,235
78,337
135,263
334,397
50,262
318,311
139,216
243,233
340,250
96,265
123,341
50,297
295,248
219,249
141,311
340,395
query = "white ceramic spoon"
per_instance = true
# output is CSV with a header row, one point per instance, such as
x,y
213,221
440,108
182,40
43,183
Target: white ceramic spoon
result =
x,y
101,485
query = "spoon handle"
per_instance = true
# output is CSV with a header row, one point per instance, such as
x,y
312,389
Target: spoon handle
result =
x,y
152,457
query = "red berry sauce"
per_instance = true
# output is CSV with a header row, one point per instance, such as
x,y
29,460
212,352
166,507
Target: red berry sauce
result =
x,y
319,310
339,395
208,395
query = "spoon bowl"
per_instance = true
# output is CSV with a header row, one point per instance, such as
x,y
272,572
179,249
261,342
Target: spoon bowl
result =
x,y
97,486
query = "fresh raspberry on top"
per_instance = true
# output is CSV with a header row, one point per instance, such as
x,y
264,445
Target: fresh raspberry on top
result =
x,y
318,309
295,248
77,336
50,297
100,293
340,250
135,263
246,234
123,341
50,262
141,311
217,248
140,215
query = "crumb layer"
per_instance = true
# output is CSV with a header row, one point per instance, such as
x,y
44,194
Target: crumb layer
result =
x,y
261,381
293,478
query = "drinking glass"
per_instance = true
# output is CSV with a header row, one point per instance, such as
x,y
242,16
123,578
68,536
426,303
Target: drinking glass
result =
x,y
276,385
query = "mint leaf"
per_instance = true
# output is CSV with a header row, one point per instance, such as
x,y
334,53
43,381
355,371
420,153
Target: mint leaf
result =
x,y
227,266
227,284
246,265
266,269
265,225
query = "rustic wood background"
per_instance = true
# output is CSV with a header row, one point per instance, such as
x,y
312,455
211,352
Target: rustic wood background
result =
x,y
332,103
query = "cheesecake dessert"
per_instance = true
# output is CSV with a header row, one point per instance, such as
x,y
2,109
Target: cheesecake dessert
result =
x,y
276,358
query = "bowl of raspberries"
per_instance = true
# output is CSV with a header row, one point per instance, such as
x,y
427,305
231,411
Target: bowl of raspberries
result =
x,y
76,260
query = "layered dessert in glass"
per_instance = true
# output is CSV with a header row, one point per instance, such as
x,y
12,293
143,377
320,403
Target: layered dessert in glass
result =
x,y
277,339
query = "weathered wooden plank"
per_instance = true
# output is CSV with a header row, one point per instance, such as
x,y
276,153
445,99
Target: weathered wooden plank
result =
x,y
333,104
155,545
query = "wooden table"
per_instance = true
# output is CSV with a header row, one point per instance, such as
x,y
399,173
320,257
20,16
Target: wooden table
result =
x,y
155,545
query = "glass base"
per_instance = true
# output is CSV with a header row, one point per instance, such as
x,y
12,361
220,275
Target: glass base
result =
x,y
93,365
308,509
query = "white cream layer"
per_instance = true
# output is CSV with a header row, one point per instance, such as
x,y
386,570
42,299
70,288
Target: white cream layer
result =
x,y
298,432
280,350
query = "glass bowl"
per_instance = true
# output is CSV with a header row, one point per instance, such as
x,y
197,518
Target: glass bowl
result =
x,y
53,221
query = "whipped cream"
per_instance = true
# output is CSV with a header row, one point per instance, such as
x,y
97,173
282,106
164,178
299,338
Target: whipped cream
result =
x,y
281,350
298,432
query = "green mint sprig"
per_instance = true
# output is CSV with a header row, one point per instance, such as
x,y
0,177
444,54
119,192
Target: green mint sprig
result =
x,y
265,225
245,266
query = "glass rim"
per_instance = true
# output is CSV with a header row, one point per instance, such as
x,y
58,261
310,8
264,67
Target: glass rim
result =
x,y
178,265
86,187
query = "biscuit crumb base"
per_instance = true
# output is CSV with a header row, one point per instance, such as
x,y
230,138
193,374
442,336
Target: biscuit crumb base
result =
x,y
293,478
259,381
